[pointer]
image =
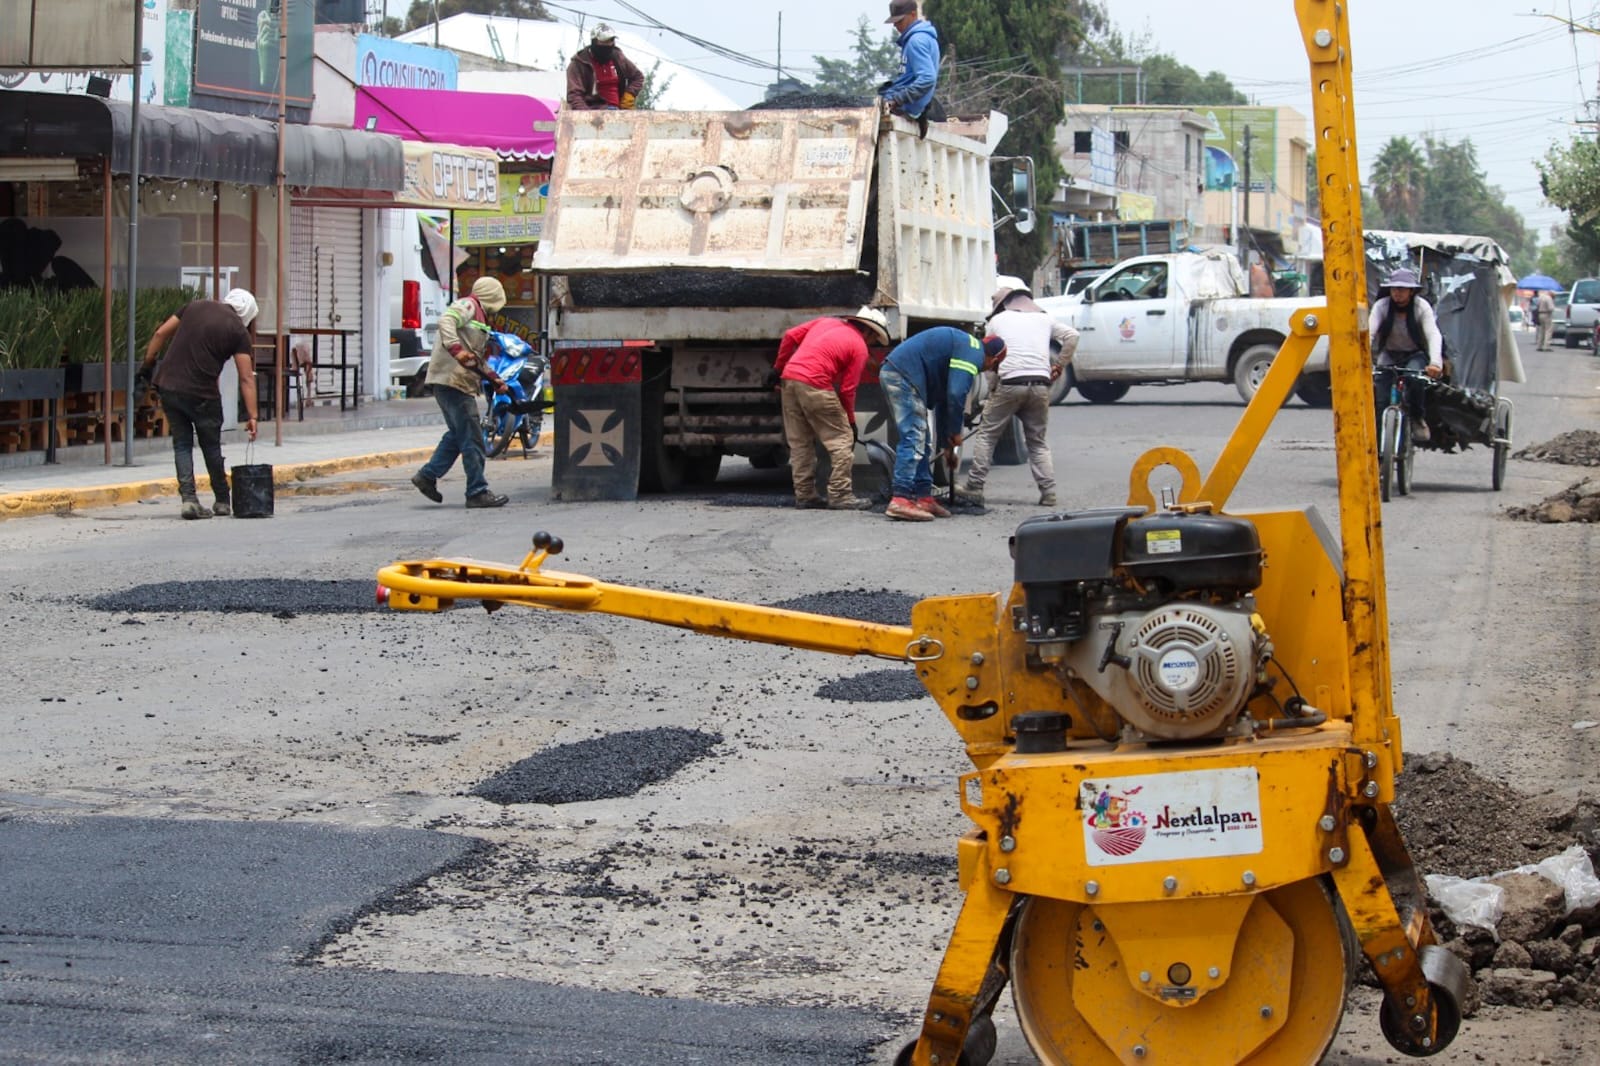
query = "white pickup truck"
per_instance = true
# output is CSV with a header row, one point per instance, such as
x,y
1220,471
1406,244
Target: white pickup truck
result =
x,y
1174,318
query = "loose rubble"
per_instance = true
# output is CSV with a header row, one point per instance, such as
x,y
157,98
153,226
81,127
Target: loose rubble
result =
x,y
1575,503
1580,447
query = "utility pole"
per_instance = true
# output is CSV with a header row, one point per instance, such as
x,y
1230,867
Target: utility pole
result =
x,y
780,47
132,281
1244,254
281,355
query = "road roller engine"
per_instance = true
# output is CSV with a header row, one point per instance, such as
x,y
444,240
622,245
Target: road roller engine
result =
x,y
1154,614
1180,724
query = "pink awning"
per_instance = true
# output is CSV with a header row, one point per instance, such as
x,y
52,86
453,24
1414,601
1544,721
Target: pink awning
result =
x,y
518,127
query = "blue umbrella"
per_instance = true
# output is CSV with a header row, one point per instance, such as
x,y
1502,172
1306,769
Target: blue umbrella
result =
x,y
1541,283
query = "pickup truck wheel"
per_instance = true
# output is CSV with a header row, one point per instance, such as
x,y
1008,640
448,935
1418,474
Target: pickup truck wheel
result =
x,y
1103,391
1571,339
1012,447
418,385
1061,387
1251,369
1315,390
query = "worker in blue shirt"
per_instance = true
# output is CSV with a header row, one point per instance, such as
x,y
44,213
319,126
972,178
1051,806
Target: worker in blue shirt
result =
x,y
931,371
911,90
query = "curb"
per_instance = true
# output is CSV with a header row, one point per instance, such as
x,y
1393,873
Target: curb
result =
x,y
58,501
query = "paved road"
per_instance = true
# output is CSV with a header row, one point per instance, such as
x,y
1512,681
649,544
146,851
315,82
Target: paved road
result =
x,y
784,900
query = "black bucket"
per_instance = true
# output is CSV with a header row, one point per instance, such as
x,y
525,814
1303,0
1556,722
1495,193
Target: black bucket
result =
x,y
252,490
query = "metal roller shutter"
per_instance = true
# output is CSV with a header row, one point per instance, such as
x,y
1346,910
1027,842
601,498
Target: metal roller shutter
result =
x,y
325,284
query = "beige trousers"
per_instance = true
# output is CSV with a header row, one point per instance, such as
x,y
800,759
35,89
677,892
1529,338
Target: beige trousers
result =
x,y
809,415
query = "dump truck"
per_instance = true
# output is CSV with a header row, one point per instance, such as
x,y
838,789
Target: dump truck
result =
x,y
681,246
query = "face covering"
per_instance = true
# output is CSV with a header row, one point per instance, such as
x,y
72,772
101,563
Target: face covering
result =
x,y
602,52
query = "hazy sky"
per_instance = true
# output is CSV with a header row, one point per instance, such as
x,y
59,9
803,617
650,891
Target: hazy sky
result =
x,y
1492,70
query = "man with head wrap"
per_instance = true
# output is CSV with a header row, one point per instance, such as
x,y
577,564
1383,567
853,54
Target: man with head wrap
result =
x,y
456,371
204,336
600,77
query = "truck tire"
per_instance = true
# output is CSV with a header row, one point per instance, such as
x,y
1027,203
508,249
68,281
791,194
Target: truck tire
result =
x,y
1103,391
770,458
1571,340
1012,447
1315,390
1252,367
702,469
660,465
1061,387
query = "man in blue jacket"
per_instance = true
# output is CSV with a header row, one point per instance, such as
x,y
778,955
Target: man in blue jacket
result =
x,y
911,90
932,371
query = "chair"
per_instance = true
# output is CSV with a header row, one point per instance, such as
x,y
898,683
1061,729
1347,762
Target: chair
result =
x,y
296,382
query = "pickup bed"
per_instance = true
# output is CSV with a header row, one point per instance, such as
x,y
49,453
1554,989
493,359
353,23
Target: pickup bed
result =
x,y
1175,318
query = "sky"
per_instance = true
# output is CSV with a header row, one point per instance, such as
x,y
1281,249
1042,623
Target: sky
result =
x,y
1497,71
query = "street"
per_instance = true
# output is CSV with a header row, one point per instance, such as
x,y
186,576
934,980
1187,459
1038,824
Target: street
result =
x,y
230,781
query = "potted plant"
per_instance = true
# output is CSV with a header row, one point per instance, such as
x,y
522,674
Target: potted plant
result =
x,y
82,328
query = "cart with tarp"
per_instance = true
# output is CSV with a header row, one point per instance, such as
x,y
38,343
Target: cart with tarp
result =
x,y
1470,285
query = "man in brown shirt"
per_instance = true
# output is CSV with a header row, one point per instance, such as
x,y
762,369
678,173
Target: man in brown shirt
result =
x,y
600,77
204,336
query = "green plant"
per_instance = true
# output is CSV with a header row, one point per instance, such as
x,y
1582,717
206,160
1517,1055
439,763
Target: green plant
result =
x,y
41,328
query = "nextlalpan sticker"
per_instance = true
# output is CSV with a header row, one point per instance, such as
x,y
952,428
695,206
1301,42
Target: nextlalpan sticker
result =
x,y
1150,817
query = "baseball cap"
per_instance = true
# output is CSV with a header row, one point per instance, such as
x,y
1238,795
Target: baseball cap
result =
x,y
603,34
901,8
993,348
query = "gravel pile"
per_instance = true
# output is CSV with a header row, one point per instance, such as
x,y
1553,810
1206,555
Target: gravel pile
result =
x,y
884,607
1579,502
1581,447
605,767
875,686
281,597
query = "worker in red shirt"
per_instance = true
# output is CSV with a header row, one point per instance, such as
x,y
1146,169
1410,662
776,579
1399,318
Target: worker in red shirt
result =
x,y
600,77
819,367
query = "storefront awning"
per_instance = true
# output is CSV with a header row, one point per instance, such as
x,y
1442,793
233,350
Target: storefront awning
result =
x,y
517,127
180,142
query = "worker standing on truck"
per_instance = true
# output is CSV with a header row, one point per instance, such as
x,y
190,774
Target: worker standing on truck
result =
x,y
932,371
1405,333
600,77
1038,349
819,368
910,92
457,371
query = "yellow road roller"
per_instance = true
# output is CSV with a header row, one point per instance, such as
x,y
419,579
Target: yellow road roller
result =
x,y
1180,728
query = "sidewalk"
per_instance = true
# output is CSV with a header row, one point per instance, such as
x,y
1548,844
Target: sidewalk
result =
x,y
329,441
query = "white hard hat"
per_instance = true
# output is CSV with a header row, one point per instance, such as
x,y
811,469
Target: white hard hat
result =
x,y
874,318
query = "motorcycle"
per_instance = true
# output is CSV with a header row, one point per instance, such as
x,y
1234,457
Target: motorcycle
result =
x,y
518,412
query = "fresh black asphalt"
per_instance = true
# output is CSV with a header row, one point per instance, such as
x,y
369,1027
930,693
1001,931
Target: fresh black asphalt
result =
x,y
143,941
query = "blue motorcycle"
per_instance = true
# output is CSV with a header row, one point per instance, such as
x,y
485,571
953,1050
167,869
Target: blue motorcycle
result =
x,y
518,412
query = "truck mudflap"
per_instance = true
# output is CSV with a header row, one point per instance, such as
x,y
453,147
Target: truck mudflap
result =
x,y
597,422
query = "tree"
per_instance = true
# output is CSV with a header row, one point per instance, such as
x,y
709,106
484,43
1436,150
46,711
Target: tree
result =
x,y
422,11
1398,179
1570,179
875,60
1006,54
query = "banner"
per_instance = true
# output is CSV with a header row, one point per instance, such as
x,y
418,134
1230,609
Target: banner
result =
x,y
395,64
153,77
519,218
236,49
68,34
1220,171
447,176
1227,132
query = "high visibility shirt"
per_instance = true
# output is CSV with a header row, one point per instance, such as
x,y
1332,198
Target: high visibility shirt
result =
x,y
941,364
825,353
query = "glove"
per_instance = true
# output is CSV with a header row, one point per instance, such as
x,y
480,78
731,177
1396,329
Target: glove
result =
x,y
772,380
628,101
141,379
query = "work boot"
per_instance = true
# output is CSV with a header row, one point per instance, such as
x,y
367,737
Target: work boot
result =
x,y
195,509
1420,432
488,499
969,495
1047,498
854,503
933,507
222,509
906,510
813,503
428,487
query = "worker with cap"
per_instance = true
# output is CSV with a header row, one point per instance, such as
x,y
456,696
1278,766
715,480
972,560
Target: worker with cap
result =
x,y
205,335
457,371
600,77
1405,333
1038,349
818,370
910,91
932,371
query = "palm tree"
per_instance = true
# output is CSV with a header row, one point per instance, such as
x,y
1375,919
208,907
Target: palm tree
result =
x,y
1398,177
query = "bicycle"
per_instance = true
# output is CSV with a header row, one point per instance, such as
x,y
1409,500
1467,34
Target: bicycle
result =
x,y
1396,449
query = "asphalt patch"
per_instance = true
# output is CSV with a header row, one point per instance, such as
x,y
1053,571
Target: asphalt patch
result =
x,y
875,686
880,606
606,767
280,597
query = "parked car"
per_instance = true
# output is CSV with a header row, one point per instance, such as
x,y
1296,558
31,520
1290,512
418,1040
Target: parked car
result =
x,y
1583,311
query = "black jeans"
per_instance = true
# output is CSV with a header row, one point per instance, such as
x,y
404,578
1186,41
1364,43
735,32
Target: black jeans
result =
x,y
1416,393
190,417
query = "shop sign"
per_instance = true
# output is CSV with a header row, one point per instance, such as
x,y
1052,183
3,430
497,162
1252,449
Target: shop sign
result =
x,y
447,176
518,219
